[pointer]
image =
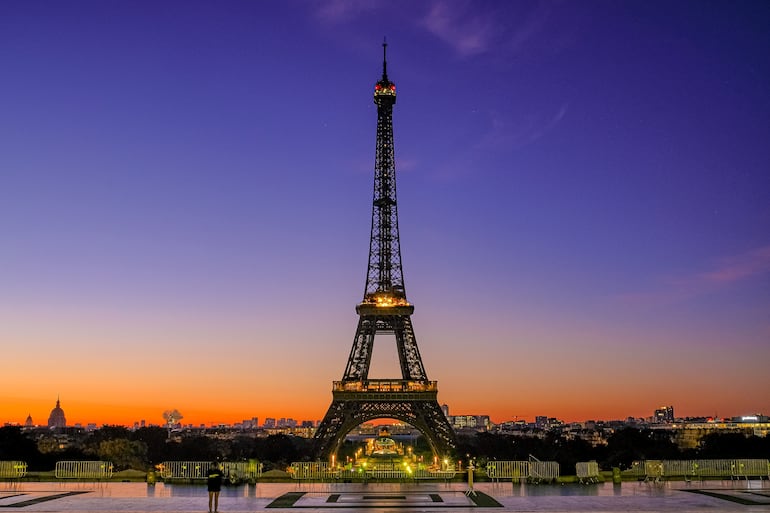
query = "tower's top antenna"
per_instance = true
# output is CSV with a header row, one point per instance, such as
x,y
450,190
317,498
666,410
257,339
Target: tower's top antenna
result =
x,y
384,60
385,88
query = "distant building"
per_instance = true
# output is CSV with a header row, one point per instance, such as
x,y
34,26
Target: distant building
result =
x,y
57,419
28,422
664,415
466,422
751,418
470,422
548,423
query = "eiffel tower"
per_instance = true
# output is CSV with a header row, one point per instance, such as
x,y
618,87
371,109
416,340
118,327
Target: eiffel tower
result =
x,y
412,398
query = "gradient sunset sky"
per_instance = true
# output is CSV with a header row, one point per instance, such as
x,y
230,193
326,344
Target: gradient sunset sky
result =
x,y
186,187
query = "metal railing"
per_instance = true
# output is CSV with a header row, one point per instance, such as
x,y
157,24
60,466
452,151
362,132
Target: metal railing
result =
x,y
543,471
312,471
657,470
387,474
514,470
587,472
83,470
233,471
533,471
13,469
445,475
321,471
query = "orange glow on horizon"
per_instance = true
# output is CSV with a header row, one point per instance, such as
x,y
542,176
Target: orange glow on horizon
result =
x,y
312,407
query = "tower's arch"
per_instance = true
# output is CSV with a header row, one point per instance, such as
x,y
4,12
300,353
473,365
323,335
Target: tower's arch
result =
x,y
440,444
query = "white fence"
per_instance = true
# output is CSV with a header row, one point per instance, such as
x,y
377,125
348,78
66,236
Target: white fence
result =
x,y
507,470
83,470
656,470
445,475
12,469
532,471
234,471
543,471
312,471
238,471
587,471
387,474
320,471
184,469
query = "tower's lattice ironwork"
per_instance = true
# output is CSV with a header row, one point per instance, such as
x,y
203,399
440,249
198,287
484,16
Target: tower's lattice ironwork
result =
x,y
384,309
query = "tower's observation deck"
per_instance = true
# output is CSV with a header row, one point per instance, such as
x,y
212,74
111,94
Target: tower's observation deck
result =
x,y
385,389
381,304
385,88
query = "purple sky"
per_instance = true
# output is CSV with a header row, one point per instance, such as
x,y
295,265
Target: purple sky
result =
x,y
185,196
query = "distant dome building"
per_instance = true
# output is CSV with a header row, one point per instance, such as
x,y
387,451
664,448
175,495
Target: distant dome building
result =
x,y
57,419
28,422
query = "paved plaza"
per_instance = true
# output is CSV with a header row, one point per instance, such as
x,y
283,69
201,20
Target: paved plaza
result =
x,y
680,497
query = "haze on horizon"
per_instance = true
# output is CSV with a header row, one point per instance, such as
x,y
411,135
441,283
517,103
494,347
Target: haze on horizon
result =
x,y
185,199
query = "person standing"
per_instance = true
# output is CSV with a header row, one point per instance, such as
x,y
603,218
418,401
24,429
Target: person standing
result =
x,y
214,484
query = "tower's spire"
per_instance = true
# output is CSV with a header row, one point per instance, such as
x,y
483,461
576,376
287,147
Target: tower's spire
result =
x,y
384,60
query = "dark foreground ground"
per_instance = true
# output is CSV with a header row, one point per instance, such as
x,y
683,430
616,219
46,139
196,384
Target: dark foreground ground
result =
x,y
679,497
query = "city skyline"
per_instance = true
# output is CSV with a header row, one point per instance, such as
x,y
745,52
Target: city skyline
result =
x,y
263,420
584,205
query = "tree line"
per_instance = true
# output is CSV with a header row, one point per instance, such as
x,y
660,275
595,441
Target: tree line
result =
x,y
143,448
624,446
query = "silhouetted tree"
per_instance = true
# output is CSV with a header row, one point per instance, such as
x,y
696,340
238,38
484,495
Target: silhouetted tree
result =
x,y
625,446
200,448
242,448
489,446
124,454
569,452
734,445
277,451
159,448
16,446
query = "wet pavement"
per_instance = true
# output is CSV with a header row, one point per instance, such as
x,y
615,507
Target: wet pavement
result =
x,y
680,497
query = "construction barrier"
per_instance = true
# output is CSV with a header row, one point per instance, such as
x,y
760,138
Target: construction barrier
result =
x,y
653,470
312,471
751,468
233,471
388,474
637,471
587,472
170,470
240,471
83,470
679,468
12,469
514,470
320,471
543,471
445,475
656,470
533,471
